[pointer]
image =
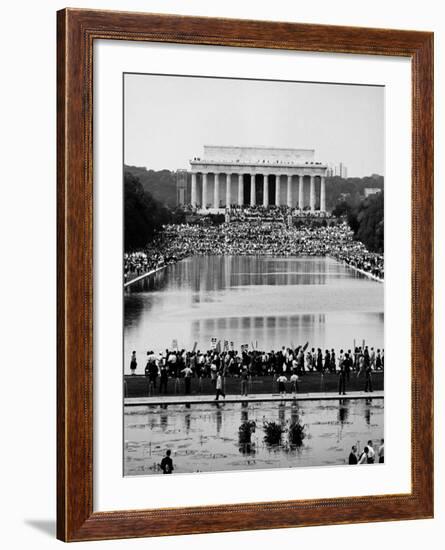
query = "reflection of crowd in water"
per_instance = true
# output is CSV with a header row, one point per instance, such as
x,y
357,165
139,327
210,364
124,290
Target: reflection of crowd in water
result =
x,y
176,242
286,366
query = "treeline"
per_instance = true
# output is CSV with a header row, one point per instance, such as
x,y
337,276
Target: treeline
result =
x,y
160,184
366,219
353,188
143,214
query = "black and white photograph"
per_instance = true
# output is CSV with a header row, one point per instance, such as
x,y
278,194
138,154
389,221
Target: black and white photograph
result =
x,y
253,274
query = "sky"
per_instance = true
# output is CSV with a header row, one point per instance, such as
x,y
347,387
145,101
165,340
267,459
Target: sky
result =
x,y
168,120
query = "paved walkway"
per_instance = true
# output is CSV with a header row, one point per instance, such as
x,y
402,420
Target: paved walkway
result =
x,y
194,399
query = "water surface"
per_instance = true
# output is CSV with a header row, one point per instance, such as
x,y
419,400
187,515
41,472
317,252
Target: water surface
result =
x,y
270,302
204,437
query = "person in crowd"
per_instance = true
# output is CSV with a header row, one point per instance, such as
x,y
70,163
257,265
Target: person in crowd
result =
x,y
282,384
341,357
163,379
333,364
353,455
319,361
364,456
366,357
244,381
294,383
327,361
378,361
213,371
172,363
133,363
300,361
309,363
219,386
381,452
361,363
368,379
371,453
347,362
356,359
167,463
188,373
342,380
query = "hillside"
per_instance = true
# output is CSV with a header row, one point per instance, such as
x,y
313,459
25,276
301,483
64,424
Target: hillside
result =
x,y
160,184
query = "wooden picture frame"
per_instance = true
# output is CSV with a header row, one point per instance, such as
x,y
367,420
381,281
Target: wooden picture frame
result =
x,y
77,31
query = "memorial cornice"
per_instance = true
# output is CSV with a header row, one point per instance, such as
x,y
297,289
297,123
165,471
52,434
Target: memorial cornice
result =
x,y
258,168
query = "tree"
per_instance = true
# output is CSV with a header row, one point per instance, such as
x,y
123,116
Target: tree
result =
x,y
371,223
342,208
143,215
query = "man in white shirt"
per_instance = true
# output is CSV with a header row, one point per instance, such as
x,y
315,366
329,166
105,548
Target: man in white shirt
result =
x,y
294,383
219,387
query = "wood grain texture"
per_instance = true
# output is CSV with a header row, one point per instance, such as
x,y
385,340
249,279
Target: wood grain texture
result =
x,y
77,30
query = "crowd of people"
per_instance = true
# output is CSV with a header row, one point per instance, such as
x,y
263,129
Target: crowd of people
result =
x,y
179,241
286,366
271,213
368,455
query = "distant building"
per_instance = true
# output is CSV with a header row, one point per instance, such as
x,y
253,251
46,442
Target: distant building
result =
x,y
342,171
338,170
181,187
372,191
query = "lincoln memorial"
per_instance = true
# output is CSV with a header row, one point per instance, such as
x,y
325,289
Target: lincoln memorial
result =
x,y
247,176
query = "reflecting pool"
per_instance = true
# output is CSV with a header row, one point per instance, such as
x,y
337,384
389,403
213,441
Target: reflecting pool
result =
x,y
268,301
206,438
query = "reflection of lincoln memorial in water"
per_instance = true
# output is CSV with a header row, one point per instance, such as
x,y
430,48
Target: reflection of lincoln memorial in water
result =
x,y
243,176
265,300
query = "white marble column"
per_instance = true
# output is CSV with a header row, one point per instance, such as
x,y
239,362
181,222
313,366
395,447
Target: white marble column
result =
x,y
277,190
265,190
289,191
323,194
216,192
252,190
301,191
240,190
204,190
228,185
193,199
312,194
